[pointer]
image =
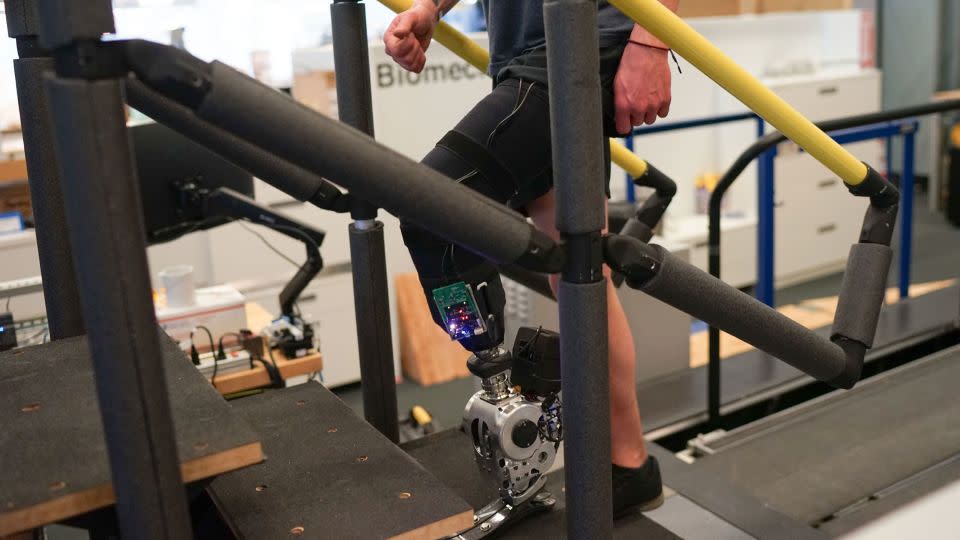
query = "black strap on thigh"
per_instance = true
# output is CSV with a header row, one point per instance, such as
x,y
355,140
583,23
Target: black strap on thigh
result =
x,y
500,182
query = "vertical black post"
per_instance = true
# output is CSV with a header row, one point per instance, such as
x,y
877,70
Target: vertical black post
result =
x,y
60,293
713,333
107,234
577,139
368,259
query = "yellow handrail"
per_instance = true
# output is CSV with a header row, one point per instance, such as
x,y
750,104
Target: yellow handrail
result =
x,y
478,57
697,50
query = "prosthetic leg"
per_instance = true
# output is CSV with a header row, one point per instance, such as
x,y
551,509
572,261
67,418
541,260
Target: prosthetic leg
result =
x,y
515,420
516,426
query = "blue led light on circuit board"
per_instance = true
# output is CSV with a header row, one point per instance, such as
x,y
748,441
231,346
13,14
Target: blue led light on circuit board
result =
x,y
458,307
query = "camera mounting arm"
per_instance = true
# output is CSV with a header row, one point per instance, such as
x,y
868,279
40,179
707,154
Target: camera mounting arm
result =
x,y
228,204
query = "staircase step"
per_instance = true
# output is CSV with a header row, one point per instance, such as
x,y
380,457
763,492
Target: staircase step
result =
x,y
52,447
329,474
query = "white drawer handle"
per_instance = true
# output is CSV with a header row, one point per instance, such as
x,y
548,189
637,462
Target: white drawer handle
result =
x,y
823,184
284,204
307,298
828,90
827,228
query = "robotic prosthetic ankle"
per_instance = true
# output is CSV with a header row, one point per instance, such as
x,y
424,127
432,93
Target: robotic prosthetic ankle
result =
x,y
516,426
514,421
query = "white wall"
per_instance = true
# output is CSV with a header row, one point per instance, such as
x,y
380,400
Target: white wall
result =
x,y
226,30
229,30
910,55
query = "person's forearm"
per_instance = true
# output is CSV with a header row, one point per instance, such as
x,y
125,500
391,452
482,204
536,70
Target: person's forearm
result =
x,y
441,6
642,36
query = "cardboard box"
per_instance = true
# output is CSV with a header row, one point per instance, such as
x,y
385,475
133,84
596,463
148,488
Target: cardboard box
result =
x,y
427,353
317,90
720,8
15,197
771,6
715,8
14,188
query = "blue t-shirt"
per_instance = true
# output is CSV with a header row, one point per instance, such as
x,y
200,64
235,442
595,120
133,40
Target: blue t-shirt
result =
x,y
516,27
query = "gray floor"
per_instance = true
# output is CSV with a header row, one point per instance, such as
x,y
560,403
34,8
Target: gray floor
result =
x,y
687,520
936,256
445,401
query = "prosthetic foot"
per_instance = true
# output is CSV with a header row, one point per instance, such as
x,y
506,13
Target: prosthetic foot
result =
x,y
515,425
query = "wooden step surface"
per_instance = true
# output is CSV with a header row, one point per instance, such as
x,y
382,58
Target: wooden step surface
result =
x,y
329,474
52,448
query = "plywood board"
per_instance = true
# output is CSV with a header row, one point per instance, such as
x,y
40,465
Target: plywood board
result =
x,y
330,474
427,353
52,444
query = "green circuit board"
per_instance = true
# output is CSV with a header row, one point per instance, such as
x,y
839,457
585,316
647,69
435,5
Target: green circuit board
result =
x,y
458,308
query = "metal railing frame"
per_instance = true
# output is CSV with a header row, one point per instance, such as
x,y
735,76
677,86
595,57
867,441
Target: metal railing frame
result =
x,y
765,147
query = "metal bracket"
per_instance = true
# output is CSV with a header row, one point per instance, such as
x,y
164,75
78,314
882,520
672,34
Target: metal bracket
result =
x,y
498,515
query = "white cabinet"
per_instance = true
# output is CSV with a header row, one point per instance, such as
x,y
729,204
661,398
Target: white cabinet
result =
x,y
335,326
192,249
738,244
327,304
19,259
830,94
816,218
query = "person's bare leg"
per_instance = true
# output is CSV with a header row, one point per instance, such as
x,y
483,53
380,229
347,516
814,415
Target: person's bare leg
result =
x,y
626,432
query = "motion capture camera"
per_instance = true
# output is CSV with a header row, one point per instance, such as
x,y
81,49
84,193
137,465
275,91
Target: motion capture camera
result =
x,y
292,335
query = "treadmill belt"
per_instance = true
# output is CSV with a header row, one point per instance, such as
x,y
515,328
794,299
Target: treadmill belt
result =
x,y
823,456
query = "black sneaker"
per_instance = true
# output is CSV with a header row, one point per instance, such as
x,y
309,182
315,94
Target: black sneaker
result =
x,y
639,488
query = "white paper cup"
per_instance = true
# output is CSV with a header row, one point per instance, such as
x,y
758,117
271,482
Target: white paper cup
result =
x,y
178,282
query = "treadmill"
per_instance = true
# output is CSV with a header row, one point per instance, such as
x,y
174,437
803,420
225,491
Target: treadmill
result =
x,y
845,459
